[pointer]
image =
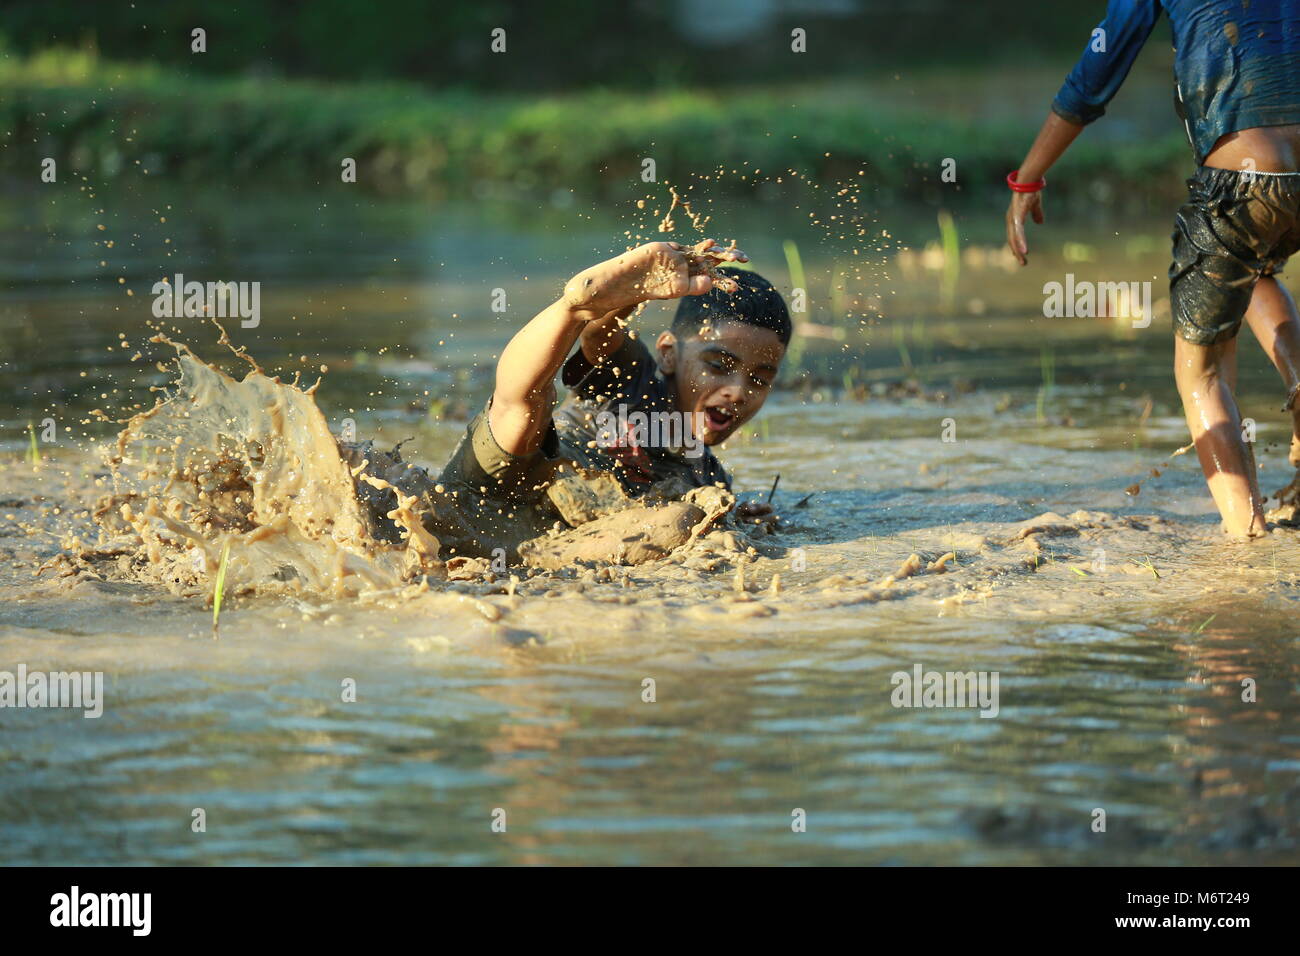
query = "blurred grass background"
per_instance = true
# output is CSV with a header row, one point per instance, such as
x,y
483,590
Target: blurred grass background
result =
x,y
584,91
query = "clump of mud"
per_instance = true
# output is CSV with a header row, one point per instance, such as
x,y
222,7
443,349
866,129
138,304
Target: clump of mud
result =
x,y
1287,512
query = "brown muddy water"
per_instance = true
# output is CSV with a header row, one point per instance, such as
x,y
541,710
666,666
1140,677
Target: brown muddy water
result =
x,y
1121,627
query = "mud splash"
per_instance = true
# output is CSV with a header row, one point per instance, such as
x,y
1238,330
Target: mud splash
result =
x,y
251,465
668,224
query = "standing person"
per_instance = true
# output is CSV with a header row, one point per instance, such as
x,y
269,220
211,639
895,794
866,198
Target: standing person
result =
x,y
1238,71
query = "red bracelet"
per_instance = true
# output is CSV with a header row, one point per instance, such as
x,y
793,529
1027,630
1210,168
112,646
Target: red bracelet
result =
x,y
1024,187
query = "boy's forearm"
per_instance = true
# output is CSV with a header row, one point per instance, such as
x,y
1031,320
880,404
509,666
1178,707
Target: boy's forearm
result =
x,y
531,359
604,337
524,390
1052,140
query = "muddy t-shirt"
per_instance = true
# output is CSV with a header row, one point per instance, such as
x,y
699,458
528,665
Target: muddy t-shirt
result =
x,y
620,418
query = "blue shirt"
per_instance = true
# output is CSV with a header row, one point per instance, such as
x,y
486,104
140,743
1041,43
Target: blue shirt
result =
x,y
1237,63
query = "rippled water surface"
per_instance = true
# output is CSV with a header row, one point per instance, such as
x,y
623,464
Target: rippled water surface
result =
x,y
1121,637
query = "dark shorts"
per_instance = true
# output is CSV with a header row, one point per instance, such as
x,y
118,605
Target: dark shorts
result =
x,y
1235,228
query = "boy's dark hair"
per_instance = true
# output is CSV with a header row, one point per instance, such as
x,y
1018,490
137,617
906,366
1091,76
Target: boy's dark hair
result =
x,y
755,302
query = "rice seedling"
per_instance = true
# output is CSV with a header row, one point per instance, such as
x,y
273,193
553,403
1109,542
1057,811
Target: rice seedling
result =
x,y
220,587
794,265
951,260
1047,365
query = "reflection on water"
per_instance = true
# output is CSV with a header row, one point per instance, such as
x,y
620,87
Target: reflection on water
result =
x,y
1118,717
1121,689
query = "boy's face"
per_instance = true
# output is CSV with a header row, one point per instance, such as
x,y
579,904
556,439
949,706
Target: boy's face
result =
x,y
725,372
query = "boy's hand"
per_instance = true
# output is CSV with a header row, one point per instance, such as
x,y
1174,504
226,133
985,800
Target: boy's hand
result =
x,y
1022,205
656,270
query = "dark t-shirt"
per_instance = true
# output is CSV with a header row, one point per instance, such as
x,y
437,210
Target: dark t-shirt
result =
x,y
620,418
492,499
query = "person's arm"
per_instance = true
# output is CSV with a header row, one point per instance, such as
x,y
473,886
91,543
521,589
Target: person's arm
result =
x,y
604,337
1090,86
525,384
525,389
1053,139
525,379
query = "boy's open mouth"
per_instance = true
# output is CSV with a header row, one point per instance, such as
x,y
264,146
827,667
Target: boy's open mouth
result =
x,y
718,418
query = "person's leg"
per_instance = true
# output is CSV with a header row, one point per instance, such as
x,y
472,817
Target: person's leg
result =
x,y
1224,239
1273,318
1205,375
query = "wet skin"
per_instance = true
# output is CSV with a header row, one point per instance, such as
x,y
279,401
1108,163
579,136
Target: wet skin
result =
x,y
1206,374
1265,149
595,301
725,373
721,376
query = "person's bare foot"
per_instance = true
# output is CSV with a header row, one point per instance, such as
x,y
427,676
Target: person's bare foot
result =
x,y
656,270
1252,534
1257,528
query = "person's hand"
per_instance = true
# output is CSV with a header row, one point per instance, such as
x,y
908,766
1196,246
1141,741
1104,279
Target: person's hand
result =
x,y
1022,206
704,258
656,270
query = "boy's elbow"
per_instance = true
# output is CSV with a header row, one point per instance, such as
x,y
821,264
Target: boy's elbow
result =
x,y
1077,114
524,402
518,422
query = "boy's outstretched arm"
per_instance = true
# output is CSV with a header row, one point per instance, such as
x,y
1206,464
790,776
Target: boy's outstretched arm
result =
x,y
525,390
596,297
1053,139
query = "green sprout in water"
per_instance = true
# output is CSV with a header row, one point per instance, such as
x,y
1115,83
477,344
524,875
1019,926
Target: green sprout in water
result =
x,y
900,342
922,338
33,455
220,586
1047,362
951,260
794,263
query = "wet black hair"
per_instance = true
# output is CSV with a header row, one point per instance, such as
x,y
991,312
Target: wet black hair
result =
x,y
755,302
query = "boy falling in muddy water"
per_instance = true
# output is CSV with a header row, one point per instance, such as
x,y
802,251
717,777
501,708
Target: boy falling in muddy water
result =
x,y
648,419
1238,73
